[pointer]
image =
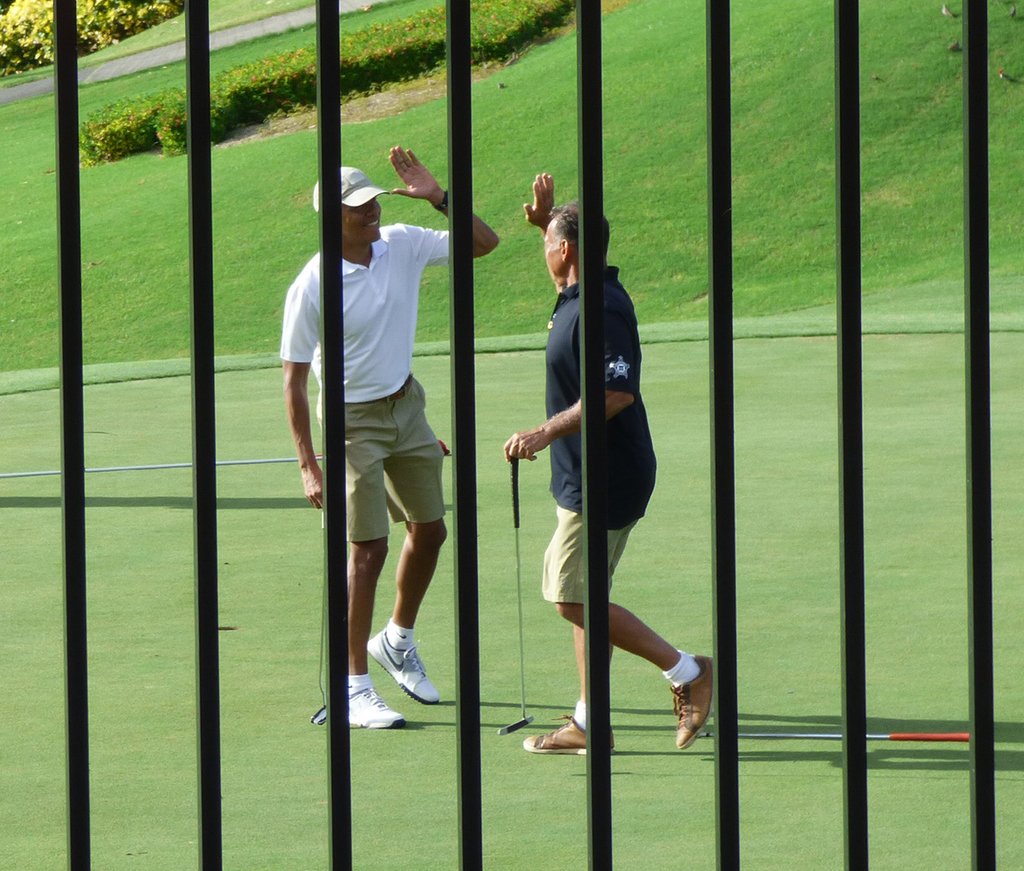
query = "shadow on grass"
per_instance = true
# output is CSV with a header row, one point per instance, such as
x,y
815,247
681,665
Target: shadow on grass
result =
x,y
414,722
882,755
917,759
182,502
225,503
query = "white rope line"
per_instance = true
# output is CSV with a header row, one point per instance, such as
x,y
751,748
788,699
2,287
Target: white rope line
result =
x,y
150,467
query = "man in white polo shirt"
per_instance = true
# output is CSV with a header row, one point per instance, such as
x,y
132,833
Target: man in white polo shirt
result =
x,y
393,459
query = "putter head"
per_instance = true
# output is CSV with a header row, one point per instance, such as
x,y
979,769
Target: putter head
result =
x,y
516,726
320,717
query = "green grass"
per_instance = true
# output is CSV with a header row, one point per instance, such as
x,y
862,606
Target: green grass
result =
x,y
655,164
142,652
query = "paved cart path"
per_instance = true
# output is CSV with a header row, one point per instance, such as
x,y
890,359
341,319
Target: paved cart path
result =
x,y
175,52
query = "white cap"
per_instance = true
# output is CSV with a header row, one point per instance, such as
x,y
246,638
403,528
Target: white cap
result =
x,y
356,188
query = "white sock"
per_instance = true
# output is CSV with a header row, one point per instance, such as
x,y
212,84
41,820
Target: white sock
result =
x,y
580,715
683,671
399,637
357,683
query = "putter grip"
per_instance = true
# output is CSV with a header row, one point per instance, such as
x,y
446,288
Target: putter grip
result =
x,y
515,491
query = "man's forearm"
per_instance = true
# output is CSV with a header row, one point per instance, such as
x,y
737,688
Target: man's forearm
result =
x,y
296,402
570,421
485,240
565,423
298,421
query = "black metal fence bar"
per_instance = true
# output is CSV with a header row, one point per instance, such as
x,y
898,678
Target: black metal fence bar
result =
x,y
979,434
204,431
72,414
466,564
331,332
723,466
594,436
851,432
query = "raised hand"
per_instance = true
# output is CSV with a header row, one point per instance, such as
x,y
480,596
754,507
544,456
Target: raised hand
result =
x,y
419,182
539,212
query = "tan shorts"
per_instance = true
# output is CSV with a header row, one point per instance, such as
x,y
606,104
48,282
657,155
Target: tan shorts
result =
x,y
393,465
564,578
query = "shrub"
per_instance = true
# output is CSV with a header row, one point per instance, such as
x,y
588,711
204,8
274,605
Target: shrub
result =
x,y
171,129
26,35
370,59
121,129
26,27
105,22
500,28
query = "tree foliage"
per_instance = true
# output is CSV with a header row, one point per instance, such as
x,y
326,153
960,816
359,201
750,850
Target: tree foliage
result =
x,y
26,27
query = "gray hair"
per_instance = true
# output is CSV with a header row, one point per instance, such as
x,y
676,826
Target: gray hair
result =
x,y
565,224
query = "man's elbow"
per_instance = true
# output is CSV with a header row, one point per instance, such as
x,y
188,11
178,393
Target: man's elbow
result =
x,y
486,245
617,400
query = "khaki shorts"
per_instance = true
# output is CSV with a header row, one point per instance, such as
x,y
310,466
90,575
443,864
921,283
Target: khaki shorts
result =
x,y
393,465
564,578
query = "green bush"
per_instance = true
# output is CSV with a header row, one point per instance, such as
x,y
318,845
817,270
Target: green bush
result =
x,y
26,27
121,129
171,129
26,36
370,59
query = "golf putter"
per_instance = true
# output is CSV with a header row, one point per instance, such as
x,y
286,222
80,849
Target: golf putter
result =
x,y
524,720
320,717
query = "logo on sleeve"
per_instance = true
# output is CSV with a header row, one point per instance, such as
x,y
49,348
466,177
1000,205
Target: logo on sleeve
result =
x,y
619,368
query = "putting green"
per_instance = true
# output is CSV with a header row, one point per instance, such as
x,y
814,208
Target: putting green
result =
x,y
141,644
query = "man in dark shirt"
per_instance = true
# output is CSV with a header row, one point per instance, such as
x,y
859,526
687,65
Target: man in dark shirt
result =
x,y
631,472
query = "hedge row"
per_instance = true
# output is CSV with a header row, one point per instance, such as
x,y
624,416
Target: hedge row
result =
x,y
26,27
370,59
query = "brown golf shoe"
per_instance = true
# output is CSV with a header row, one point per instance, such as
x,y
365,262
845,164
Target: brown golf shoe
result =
x,y
569,740
692,703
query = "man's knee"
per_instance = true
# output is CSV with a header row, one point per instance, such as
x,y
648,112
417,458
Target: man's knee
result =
x,y
368,555
571,611
428,536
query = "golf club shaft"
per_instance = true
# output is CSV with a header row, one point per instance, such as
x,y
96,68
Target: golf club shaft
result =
x,y
321,677
937,737
519,583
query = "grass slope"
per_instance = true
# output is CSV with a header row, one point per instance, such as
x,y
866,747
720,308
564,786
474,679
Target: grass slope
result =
x,y
135,212
141,643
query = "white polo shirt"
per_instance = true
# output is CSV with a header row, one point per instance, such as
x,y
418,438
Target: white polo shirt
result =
x,y
380,306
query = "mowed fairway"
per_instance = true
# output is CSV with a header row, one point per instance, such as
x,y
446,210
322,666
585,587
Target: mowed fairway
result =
x,y
142,666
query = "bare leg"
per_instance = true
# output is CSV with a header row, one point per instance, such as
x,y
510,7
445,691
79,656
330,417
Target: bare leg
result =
x,y
579,640
625,631
416,568
366,559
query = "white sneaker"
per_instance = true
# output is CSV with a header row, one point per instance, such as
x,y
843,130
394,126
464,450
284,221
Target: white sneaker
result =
x,y
405,667
367,710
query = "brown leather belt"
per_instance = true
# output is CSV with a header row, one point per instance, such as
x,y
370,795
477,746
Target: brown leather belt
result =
x,y
400,392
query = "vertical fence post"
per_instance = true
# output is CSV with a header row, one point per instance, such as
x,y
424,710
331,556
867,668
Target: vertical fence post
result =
x,y
72,415
204,450
723,468
851,436
328,53
590,134
979,434
467,622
